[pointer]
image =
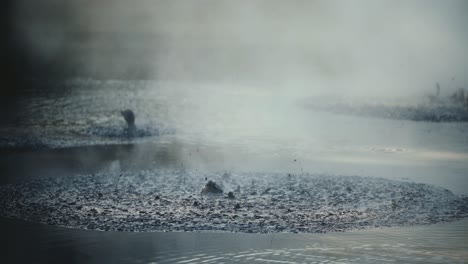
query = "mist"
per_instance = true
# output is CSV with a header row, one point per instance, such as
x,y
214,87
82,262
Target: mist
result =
x,y
234,74
390,48
234,130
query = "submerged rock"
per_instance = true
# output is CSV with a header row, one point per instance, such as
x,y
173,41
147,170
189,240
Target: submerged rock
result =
x,y
212,188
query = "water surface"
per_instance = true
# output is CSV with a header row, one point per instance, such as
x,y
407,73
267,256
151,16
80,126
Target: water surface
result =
x,y
220,128
440,243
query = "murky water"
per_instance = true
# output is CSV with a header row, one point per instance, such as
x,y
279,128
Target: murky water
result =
x,y
219,127
206,128
440,243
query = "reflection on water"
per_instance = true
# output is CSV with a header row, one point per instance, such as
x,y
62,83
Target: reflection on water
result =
x,y
440,243
174,153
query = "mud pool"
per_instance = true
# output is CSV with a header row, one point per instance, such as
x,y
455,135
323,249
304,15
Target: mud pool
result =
x,y
172,201
68,164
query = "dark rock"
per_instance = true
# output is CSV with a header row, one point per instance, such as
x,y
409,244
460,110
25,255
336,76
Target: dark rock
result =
x,y
231,195
237,206
212,188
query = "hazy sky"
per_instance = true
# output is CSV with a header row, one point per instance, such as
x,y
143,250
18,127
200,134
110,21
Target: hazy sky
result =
x,y
376,47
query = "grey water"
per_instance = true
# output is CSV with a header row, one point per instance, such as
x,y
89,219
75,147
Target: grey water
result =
x,y
215,126
240,128
36,243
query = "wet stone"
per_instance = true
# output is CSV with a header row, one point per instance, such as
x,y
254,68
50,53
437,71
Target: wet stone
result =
x,y
212,188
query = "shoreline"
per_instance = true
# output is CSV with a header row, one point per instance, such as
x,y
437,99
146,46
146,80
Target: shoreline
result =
x,y
221,232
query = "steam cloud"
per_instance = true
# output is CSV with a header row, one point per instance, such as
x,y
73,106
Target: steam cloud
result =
x,y
372,47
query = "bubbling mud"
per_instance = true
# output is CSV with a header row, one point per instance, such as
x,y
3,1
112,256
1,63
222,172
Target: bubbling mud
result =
x,y
172,200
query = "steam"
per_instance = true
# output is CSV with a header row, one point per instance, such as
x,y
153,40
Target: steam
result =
x,y
227,76
304,47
